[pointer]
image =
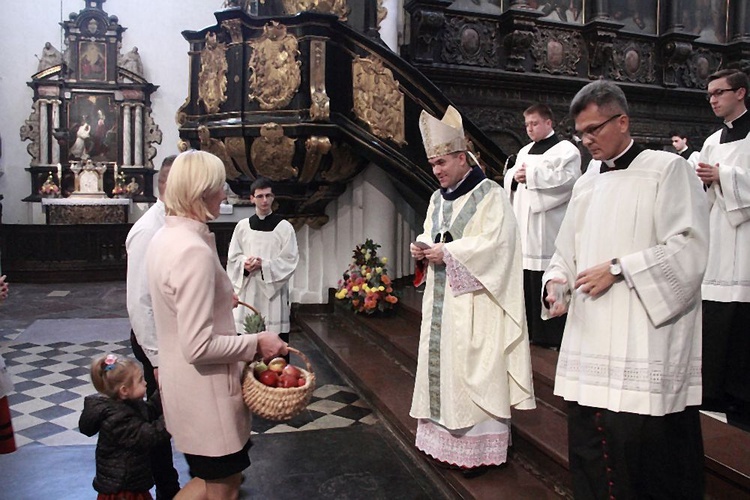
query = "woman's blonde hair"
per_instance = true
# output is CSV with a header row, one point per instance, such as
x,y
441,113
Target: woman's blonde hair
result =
x,y
110,372
193,176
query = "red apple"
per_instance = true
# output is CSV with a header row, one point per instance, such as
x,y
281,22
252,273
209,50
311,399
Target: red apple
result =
x,y
292,370
269,378
277,364
287,381
301,381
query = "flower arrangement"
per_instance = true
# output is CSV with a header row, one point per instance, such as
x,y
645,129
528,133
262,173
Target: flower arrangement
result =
x,y
366,284
49,188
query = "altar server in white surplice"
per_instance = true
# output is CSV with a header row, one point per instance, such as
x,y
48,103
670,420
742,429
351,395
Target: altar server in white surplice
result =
x,y
262,258
630,259
474,361
725,169
539,186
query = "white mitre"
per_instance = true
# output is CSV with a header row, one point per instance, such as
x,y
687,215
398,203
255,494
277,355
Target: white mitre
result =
x,y
441,137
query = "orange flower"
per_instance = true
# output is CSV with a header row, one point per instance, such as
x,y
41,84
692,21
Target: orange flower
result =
x,y
392,299
385,279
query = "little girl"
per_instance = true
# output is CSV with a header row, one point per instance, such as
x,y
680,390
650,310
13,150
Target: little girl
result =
x,y
128,428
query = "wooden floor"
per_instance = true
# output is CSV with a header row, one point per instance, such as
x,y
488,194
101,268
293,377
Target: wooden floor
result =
x,y
378,354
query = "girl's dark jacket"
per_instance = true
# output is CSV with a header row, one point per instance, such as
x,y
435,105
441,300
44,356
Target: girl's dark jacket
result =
x,y
128,430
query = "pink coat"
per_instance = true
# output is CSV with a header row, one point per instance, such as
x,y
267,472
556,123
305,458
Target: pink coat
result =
x,y
200,355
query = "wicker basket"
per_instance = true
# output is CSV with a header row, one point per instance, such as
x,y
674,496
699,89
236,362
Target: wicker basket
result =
x,y
277,403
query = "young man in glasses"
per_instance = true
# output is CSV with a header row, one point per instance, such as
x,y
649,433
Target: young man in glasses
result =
x,y
262,258
628,265
539,186
724,168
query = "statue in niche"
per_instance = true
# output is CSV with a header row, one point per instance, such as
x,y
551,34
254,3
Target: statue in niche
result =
x,y
131,61
50,57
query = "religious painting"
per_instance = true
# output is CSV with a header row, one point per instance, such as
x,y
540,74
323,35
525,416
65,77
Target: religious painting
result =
x,y
638,16
479,6
566,11
705,18
92,61
93,127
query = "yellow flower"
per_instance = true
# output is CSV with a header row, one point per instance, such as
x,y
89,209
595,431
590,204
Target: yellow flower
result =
x,y
379,270
384,260
368,275
355,288
381,288
341,293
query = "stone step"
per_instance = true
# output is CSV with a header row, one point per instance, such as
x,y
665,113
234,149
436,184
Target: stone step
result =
x,y
387,385
539,436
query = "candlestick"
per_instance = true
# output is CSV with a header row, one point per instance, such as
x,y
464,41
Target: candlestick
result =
x,y
115,172
59,173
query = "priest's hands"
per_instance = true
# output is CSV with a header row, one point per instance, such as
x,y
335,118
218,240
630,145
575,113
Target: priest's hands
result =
x,y
253,264
520,175
596,280
556,296
708,173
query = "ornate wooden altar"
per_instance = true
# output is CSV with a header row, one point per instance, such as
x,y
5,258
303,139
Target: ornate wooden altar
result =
x,y
91,103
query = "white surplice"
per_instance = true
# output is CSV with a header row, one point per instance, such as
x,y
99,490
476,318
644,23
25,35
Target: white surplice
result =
x,y
637,347
268,288
727,276
540,203
479,343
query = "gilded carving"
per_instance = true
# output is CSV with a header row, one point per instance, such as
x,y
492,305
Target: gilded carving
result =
x,y
234,28
319,195
377,99
556,52
236,149
470,42
320,107
212,79
337,7
181,116
346,163
272,153
275,68
315,148
216,147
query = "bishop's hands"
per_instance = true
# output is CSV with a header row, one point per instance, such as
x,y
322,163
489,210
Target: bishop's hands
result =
x,y
252,264
708,174
433,254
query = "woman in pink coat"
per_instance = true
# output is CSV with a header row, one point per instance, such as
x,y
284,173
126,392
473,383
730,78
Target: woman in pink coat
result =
x,y
200,354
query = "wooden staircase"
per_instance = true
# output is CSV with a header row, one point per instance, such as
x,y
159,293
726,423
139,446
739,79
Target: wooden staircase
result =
x,y
379,355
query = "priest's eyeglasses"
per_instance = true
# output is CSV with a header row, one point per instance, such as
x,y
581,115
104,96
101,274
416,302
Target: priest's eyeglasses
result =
x,y
264,196
594,130
718,93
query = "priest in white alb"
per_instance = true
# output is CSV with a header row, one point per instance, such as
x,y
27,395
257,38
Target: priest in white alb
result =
x,y
539,186
628,266
724,167
262,258
474,362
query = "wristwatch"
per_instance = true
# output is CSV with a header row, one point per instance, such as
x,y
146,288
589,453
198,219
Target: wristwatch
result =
x,y
615,269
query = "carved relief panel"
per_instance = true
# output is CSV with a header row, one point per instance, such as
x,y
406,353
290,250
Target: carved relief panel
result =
x,y
471,42
378,101
557,52
633,62
275,67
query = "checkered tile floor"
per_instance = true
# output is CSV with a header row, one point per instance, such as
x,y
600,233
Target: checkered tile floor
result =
x,y
52,380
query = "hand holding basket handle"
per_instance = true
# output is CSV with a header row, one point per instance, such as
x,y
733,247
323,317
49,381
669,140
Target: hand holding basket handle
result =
x,y
269,343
